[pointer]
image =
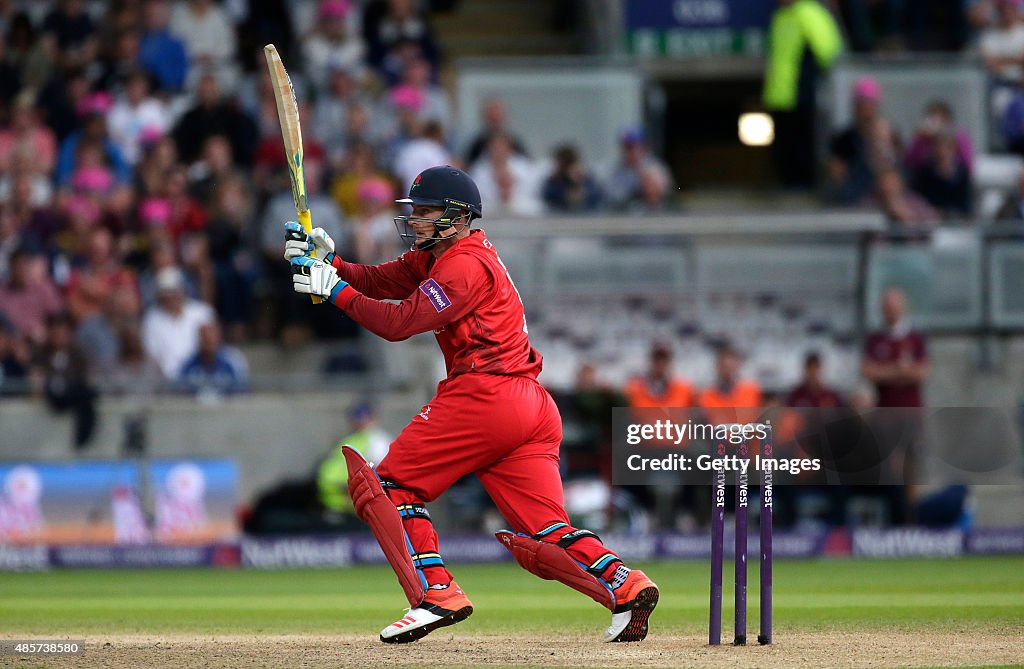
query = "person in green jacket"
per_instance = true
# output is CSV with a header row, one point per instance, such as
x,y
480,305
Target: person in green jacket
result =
x,y
803,42
332,475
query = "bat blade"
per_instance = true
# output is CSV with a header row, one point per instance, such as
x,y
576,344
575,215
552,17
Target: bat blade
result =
x,y
291,133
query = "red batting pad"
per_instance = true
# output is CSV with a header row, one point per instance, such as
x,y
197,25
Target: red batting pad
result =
x,y
378,511
552,563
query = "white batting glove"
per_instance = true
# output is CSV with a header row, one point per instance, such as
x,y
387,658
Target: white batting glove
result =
x,y
313,276
317,240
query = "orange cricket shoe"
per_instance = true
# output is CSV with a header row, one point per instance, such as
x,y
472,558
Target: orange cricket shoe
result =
x,y
440,608
635,599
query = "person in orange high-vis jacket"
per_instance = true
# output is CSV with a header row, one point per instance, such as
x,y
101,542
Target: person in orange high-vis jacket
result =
x,y
658,388
721,400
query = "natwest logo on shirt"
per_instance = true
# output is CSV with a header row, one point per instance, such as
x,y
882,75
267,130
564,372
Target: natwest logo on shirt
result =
x,y
436,294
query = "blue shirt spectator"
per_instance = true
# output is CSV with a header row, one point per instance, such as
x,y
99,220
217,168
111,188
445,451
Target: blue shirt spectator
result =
x,y
161,53
215,369
570,187
93,130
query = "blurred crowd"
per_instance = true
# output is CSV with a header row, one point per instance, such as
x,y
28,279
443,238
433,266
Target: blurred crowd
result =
x,y
916,181
143,183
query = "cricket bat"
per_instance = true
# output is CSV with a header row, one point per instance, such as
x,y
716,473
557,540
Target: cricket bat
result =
x,y
291,132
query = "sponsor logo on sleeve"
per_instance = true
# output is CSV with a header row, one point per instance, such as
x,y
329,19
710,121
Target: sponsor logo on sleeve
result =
x,y
436,294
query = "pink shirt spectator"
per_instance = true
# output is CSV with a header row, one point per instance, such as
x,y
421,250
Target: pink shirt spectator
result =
x,y
38,142
29,297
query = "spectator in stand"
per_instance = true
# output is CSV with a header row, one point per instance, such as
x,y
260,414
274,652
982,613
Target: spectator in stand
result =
x,y
72,32
162,255
100,276
162,54
25,182
404,107
422,152
859,151
29,297
570,188
331,111
729,391
14,361
896,357
136,114
121,58
944,180
82,215
63,100
187,216
653,192
1012,122
61,375
509,183
34,53
100,335
215,370
906,211
170,329
436,106
25,132
93,132
159,156
234,265
1002,49
373,236
938,121
392,27
210,41
812,391
134,375
622,185
1002,43
215,165
213,116
27,197
358,166
493,117
659,386
804,41
332,45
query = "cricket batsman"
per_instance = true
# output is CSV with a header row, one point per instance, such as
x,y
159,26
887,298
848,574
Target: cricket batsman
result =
x,y
490,416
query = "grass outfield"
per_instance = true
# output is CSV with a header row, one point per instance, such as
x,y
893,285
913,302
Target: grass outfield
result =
x,y
959,599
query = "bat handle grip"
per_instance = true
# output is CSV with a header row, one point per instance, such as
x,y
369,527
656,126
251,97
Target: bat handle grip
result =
x,y
306,221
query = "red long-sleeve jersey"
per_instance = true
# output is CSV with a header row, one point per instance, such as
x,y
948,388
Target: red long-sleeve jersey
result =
x,y
466,297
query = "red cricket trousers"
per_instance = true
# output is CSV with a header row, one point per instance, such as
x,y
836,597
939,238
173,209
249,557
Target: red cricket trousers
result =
x,y
504,429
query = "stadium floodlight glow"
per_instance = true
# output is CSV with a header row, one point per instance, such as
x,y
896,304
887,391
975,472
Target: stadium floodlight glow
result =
x,y
756,129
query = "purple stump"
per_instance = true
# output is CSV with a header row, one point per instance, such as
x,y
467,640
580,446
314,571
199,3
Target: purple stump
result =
x,y
740,637
765,637
717,547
